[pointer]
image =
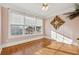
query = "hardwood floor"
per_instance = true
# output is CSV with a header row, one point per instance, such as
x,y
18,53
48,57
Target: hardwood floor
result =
x,y
57,48
26,48
41,47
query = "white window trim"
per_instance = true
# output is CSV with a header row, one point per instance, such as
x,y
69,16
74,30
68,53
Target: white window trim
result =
x,y
24,25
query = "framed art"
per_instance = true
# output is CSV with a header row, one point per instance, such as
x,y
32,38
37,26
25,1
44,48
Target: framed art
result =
x,y
57,22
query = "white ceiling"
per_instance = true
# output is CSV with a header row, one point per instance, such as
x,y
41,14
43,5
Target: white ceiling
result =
x,y
35,9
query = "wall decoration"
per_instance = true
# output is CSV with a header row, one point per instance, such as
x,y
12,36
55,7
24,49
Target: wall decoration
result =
x,y
57,22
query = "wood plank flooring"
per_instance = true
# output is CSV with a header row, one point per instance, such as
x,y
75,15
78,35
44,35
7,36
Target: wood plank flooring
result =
x,y
26,48
41,46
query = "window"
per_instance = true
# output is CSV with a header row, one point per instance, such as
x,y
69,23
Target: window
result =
x,y
39,25
24,25
33,26
16,29
16,23
60,38
29,25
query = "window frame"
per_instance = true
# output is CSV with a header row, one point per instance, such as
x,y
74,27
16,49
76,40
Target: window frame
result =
x,y
9,29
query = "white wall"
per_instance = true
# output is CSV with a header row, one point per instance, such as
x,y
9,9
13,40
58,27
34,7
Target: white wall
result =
x,y
4,25
70,28
0,29
0,25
